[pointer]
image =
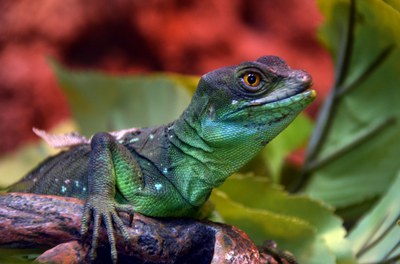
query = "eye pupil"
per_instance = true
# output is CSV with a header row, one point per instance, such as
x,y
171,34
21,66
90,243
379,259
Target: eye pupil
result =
x,y
251,78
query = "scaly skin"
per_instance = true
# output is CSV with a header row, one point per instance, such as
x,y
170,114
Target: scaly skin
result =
x,y
170,171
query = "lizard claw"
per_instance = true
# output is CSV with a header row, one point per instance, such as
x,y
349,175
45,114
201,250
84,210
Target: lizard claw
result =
x,y
100,211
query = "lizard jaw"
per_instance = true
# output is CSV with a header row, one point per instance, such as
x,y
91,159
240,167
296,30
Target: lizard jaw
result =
x,y
307,95
303,98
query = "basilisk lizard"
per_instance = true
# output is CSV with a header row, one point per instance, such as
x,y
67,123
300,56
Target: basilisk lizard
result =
x,y
170,170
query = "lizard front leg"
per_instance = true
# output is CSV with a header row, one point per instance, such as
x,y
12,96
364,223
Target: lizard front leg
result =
x,y
108,160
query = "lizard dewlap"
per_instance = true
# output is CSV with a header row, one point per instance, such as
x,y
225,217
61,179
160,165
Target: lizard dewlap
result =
x,y
170,170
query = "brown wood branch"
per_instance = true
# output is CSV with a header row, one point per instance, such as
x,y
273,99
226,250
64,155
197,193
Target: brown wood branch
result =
x,y
29,220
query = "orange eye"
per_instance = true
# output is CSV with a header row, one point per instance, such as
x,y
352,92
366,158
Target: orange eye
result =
x,y
252,79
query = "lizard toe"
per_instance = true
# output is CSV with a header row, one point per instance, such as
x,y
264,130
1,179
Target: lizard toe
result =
x,y
111,237
121,226
95,235
85,219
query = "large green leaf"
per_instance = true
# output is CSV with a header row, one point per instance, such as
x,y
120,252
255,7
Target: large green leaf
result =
x,y
376,238
104,102
359,149
304,226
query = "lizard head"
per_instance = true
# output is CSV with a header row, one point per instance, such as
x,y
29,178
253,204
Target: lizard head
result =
x,y
251,102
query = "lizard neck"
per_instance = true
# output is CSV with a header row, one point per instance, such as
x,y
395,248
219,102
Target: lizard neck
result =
x,y
190,160
208,158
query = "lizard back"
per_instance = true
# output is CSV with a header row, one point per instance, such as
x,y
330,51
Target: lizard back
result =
x,y
64,173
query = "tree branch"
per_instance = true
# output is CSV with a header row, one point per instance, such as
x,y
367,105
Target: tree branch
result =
x,y
33,221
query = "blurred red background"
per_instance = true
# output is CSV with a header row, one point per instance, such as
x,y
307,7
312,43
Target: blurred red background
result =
x,y
182,36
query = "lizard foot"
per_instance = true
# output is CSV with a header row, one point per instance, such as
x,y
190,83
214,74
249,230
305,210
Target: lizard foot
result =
x,y
101,210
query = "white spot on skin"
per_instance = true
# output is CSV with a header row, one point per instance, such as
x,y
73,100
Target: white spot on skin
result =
x,y
84,189
211,112
151,136
158,186
165,171
234,102
63,189
134,140
67,181
77,183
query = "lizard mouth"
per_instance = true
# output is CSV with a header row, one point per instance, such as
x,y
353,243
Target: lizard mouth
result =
x,y
303,97
286,96
297,88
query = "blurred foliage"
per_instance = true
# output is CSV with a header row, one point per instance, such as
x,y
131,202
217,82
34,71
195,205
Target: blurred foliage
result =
x,y
107,103
352,168
354,151
377,235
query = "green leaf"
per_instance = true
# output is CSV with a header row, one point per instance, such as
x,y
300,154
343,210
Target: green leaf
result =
x,y
376,237
299,224
359,150
104,102
393,3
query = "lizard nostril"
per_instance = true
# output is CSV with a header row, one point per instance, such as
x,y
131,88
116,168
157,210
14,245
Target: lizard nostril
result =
x,y
303,77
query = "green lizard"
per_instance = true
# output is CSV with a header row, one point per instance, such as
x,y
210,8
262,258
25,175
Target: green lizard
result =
x,y
170,170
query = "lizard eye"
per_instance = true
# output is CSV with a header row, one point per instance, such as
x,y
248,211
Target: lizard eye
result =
x,y
251,81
